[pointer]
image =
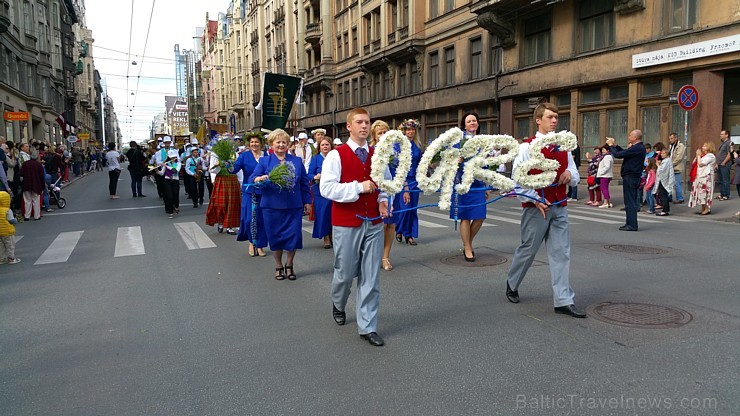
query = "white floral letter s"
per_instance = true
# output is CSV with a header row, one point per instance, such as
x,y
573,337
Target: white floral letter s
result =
x,y
478,151
444,176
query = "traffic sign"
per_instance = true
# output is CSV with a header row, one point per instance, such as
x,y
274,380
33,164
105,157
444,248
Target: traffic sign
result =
x,y
688,97
72,139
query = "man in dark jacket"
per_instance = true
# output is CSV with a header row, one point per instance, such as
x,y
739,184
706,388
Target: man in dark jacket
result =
x,y
632,167
136,167
32,174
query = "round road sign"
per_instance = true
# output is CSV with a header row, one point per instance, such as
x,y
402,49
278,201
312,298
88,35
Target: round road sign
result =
x,y
688,97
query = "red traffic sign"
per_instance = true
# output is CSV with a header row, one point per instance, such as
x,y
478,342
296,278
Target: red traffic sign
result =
x,y
688,97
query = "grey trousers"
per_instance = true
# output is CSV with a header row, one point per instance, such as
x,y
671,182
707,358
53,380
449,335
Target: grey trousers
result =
x,y
357,252
554,232
7,248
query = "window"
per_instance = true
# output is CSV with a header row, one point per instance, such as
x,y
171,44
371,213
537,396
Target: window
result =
x,y
678,119
347,52
522,127
404,13
434,70
590,133
596,24
450,65
677,83
591,96
347,100
651,124
616,123
387,85
449,5
681,15
403,79
433,9
340,97
376,87
354,41
563,122
562,100
238,38
355,93
28,17
495,55
619,93
476,58
537,39
652,88
3,64
415,79
363,91
339,48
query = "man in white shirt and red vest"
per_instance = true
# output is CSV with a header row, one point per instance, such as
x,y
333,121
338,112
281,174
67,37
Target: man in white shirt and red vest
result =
x,y
545,219
358,243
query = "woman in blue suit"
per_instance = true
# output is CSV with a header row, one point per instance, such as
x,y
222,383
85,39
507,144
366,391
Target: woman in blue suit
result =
x,y
282,209
246,162
407,225
321,205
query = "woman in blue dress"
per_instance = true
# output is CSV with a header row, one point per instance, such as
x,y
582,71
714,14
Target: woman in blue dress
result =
x,y
470,208
407,225
321,205
283,207
377,129
252,224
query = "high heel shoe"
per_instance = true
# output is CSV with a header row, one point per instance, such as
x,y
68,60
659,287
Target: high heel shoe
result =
x,y
251,250
410,241
470,259
387,265
291,275
399,237
279,275
261,252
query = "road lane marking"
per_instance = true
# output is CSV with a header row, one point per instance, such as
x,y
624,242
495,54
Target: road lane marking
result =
x,y
18,238
193,236
307,226
447,217
129,242
61,248
95,211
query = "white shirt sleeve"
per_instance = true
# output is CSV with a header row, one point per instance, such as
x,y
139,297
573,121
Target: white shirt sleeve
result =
x,y
575,177
521,157
329,185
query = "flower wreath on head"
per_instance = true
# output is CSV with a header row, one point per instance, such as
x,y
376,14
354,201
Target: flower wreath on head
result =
x,y
385,150
564,140
251,134
409,124
314,131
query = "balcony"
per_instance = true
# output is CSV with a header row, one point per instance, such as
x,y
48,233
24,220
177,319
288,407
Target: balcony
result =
x,y
391,38
279,14
85,100
313,33
255,67
403,33
4,13
376,45
256,98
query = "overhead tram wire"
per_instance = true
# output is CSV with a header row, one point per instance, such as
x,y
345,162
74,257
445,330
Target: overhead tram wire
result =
x,y
143,53
128,67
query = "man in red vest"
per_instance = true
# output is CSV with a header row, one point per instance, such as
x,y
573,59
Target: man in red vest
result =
x,y
545,218
358,243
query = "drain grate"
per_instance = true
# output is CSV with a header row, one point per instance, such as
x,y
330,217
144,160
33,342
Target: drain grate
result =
x,y
640,315
481,260
632,249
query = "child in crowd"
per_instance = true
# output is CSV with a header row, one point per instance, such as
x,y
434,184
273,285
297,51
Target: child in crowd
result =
x,y
7,231
650,170
594,192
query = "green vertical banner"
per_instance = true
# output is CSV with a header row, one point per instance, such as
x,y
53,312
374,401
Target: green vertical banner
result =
x,y
279,92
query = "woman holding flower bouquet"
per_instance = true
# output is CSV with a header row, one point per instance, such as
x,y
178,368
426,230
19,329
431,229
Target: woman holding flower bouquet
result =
x,y
224,207
469,208
321,205
252,224
285,197
408,222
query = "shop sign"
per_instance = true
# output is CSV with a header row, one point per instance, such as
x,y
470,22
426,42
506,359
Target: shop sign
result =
x,y
16,116
704,49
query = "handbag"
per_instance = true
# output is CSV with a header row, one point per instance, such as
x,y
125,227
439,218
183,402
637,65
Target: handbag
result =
x,y
591,180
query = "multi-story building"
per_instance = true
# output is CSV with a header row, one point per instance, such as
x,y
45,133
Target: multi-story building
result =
x,y
210,71
36,69
181,71
194,82
86,110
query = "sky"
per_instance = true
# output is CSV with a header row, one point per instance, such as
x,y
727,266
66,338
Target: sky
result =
x,y
172,22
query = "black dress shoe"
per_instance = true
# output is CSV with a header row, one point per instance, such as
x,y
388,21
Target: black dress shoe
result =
x,y
339,316
570,310
373,338
627,228
512,295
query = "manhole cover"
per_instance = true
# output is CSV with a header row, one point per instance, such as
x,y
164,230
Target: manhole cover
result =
x,y
481,260
640,315
627,248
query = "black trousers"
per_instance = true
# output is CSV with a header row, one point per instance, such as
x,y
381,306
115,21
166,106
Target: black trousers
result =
x,y
630,184
663,198
196,189
113,178
171,195
159,181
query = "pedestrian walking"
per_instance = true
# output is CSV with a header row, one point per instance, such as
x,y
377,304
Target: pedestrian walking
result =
x,y
545,219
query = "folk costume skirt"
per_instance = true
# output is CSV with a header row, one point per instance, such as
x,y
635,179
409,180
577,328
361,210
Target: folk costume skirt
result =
x,y
322,215
283,227
225,204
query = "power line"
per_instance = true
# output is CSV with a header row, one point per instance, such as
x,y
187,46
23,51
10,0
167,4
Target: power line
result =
x,y
146,42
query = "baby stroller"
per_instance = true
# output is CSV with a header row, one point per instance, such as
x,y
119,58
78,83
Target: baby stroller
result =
x,y
55,194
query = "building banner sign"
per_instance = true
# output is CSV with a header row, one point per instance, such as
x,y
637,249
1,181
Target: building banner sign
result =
x,y
179,119
16,116
278,95
691,51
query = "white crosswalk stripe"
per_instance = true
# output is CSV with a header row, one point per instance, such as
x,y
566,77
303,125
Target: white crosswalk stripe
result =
x,y
18,238
446,217
129,242
61,248
193,236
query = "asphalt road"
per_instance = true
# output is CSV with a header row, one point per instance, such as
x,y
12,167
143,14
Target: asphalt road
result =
x,y
188,327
